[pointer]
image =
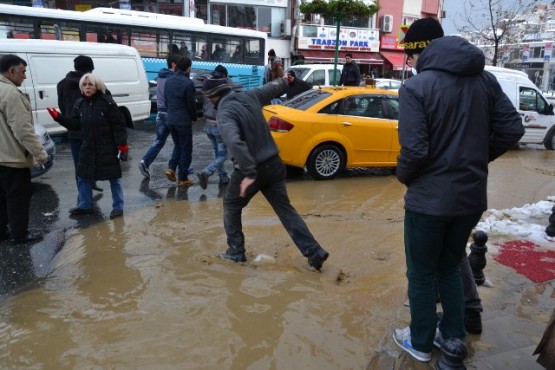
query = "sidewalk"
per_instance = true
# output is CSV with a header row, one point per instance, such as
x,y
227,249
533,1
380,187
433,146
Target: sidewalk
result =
x,y
516,312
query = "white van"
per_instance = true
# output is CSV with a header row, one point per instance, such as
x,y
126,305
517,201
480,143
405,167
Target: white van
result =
x,y
48,61
536,112
319,75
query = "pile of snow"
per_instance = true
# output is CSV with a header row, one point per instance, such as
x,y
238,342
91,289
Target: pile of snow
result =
x,y
527,222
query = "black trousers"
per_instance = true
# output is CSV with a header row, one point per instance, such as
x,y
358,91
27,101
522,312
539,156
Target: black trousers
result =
x,y
15,199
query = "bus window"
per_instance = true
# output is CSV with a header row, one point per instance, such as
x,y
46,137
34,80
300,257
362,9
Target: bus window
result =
x,y
102,33
150,42
184,42
199,48
59,30
254,53
17,27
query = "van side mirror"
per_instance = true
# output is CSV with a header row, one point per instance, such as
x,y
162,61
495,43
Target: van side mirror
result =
x,y
549,110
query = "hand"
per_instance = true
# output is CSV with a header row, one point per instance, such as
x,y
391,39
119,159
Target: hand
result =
x,y
123,152
53,113
245,183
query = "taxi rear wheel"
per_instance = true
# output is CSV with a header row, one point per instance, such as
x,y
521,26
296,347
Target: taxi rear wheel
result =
x,y
326,162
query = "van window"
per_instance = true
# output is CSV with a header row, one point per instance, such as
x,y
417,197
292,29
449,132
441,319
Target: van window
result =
x,y
337,76
531,100
318,77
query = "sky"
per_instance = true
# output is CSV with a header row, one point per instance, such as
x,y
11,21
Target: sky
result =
x,y
527,222
456,14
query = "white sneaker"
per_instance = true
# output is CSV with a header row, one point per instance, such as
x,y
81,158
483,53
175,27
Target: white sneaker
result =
x,y
402,339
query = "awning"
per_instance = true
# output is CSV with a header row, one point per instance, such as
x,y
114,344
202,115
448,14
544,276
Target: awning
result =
x,y
328,56
396,59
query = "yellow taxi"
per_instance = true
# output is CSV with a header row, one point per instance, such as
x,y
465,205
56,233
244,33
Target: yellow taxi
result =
x,y
329,129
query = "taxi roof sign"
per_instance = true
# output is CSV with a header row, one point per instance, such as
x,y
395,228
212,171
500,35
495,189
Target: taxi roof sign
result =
x,y
402,33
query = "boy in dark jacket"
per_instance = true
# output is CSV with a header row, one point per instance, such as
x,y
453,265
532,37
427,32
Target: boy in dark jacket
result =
x,y
350,76
179,95
454,119
258,166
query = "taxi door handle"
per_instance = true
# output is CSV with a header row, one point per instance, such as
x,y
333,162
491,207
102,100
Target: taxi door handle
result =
x,y
345,123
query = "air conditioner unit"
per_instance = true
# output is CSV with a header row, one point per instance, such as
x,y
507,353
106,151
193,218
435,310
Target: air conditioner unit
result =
x,y
286,27
387,23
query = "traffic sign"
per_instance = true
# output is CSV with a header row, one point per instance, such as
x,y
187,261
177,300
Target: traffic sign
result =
x,y
402,33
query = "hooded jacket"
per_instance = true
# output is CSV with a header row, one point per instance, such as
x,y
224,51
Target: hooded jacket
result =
x,y
243,127
103,128
454,119
179,97
68,94
350,75
19,143
163,75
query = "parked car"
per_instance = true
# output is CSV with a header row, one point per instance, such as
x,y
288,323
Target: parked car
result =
x,y
317,74
387,84
333,128
50,148
198,76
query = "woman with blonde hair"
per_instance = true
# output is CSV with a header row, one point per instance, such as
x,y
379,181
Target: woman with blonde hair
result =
x,y
104,143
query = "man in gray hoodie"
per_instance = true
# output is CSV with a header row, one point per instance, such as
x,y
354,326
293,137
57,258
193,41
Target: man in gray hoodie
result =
x,y
258,166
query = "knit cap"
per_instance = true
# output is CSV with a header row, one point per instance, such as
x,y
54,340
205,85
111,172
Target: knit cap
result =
x,y
420,34
213,87
83,63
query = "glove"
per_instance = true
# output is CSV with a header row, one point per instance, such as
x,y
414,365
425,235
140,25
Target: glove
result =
x,y
53,113
123,152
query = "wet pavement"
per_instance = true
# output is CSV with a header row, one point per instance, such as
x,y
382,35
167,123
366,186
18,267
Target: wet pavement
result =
x,y
146,291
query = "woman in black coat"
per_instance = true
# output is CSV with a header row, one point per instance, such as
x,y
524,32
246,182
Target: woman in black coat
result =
x,y
104,143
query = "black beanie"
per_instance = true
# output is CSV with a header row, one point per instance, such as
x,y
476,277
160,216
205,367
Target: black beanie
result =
x,y
83,63
213,87
420,34
219,72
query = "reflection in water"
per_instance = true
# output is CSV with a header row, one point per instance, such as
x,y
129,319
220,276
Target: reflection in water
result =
x,y
147,291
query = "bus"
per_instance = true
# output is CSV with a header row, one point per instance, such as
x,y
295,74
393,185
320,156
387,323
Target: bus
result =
x,y
241,51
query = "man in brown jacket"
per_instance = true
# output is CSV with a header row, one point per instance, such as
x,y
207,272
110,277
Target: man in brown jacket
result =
x,y
20,149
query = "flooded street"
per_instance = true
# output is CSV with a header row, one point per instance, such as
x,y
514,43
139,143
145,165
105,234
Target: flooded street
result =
x,y
147,291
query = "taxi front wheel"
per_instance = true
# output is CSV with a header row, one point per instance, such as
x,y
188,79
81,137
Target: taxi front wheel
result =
x,y
326,162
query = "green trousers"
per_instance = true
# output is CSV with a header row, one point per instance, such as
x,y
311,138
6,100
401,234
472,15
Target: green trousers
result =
x,y
434,247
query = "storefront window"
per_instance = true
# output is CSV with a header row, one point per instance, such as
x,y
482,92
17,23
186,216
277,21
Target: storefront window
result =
x,y
261,18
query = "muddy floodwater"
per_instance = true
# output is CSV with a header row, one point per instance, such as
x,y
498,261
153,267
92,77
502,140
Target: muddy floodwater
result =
x,y
148,292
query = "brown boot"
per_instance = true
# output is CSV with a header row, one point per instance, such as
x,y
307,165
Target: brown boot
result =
x,y
170,175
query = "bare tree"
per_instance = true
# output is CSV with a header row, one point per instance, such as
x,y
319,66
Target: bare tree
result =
x,y
494,22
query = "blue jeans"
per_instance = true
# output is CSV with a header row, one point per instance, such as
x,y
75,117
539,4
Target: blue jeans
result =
x,y
182,154
85,193
270,181
220,151
162,133
434,249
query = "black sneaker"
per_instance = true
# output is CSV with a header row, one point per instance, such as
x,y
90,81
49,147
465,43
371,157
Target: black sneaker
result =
x,y
80,211
116,213
233,257
203,179
473,322
317,259
144,170
29,238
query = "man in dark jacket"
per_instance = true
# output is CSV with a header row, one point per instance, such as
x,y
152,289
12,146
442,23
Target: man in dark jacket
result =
x,y
68,94
454,119
350,76
257,166
162,129
179,95
296,85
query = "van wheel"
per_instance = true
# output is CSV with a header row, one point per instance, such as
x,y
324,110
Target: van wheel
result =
x,y
326,162
549,141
